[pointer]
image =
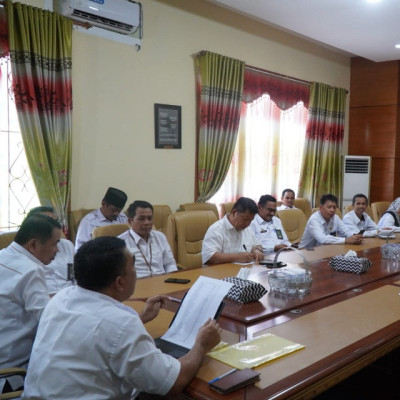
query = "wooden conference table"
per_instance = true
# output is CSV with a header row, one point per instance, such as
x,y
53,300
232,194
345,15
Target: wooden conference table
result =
x,y
346,322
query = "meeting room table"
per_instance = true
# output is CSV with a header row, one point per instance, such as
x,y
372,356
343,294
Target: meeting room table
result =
x,y
345,322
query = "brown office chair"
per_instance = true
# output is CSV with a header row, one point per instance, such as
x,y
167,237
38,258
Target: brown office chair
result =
x,y
160,216
294,222
304,205
378,209
110,230
226,208
338,212
349,208
6,372
200,207
74,218
6,239
185,235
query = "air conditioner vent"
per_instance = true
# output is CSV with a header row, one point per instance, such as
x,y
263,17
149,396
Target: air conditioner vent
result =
x,y
97,20
357,166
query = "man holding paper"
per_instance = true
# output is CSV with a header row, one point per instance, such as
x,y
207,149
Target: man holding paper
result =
x,y
99,346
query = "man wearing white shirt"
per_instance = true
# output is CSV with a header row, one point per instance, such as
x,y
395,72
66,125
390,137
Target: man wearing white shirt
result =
x,y
109,213
325,226
288,197
23,291
58,272
231,239
268,228
91,346
152,252
357,220
391,217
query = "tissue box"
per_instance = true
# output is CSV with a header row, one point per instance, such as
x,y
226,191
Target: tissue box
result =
x,y
244,291
355,265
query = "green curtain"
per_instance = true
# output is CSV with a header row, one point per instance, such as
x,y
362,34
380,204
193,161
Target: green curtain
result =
x,y
40,53
321,170
220,90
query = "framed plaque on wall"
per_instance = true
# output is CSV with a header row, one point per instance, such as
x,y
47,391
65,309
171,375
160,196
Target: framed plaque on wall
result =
x,y
167,123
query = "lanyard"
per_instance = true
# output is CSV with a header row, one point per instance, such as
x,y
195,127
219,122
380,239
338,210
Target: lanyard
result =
x,y
141,252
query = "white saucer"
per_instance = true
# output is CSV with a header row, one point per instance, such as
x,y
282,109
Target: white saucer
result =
x,y
387,237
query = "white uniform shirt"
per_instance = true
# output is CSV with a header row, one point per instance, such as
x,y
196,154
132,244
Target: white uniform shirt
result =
x,y
155,249
23,296
283,207
318,231
356,225
268,233
387,221
90,346
90,221
57,271
222,237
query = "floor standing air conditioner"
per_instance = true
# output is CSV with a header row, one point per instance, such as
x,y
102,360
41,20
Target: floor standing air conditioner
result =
x,y
356,179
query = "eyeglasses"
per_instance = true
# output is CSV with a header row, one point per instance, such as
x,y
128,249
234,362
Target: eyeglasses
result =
x,y
271,210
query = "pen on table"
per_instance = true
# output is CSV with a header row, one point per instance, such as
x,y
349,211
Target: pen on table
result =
x,y
223,375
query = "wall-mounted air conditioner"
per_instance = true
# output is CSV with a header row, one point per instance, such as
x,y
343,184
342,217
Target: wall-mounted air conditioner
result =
x,y
356,177
122,16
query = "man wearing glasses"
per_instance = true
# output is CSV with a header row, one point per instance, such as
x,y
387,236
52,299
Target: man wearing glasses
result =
x,y
268,228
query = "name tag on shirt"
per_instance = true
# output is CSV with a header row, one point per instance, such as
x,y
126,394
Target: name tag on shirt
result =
x,y
279,234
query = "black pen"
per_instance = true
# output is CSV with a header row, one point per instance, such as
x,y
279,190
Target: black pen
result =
x,y
245,249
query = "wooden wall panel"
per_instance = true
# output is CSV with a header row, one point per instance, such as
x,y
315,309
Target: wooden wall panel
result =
x,y
382,178
373,83
373,131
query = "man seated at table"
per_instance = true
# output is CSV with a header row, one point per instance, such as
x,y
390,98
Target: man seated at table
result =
x,y
91,346
109,213
391,217
325,226
231,239
58,274
23,291
288,197
152,252
268,228
357,220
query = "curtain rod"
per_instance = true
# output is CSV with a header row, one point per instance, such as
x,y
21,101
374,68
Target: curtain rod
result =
x,y
278,75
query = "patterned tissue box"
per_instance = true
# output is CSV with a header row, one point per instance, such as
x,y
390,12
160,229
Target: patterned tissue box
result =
x,y
356,265
244,291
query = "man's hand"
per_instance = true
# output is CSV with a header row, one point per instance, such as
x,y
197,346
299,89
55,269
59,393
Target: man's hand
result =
x,y
152,308
355,239
280,246
244,257
209,335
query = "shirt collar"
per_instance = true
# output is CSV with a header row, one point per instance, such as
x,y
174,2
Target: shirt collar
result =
x,y
137,238
22,250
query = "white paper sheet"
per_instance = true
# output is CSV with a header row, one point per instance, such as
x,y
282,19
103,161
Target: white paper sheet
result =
x,y
201,302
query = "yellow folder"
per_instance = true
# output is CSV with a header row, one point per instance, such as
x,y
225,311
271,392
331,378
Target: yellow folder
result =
x,y
254,352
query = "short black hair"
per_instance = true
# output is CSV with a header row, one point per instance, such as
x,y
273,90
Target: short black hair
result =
x,y
131,211
37,226
288,190
39,210
244,204
360,195
98,262
328,197
264,199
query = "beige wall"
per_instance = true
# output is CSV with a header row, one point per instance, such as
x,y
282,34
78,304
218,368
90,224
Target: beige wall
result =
x,y
115,88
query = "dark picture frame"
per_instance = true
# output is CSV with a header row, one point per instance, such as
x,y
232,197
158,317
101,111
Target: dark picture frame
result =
x,y
167,124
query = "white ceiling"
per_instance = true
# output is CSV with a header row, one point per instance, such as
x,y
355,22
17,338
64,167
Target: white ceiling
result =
x,y
358,27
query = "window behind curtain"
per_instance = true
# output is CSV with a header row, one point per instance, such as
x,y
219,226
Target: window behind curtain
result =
x,y
17,191
268,153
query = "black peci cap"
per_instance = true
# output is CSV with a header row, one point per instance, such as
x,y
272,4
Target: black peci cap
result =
x,y
115,197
